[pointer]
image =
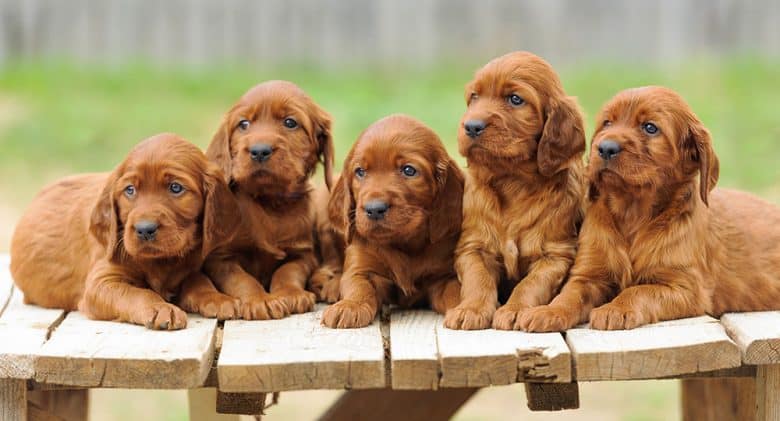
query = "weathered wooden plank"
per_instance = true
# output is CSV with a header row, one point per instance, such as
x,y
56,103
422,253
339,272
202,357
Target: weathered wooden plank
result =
x,y
663,349
426,355
768,392
67,405
757,334
297,353
240,403
29,326
552,396
13,400
83,352
391,405
6,282
724,399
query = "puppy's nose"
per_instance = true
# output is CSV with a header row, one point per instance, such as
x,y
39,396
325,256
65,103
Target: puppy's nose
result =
x,y
474,128
146,230
376,209
608,149
260,152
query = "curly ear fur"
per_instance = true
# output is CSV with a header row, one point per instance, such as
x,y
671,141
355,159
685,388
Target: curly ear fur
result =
x,y
563,136
700,141
218,150
447,212
324,140
220,210
104,221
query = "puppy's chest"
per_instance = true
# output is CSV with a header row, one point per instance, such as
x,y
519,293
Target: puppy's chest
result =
x,y
278,233
520,237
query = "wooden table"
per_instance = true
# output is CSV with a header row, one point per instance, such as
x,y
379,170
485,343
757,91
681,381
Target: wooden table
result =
x,y
406,364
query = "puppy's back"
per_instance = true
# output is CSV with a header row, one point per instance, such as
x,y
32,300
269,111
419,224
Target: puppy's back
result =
x,y
51,247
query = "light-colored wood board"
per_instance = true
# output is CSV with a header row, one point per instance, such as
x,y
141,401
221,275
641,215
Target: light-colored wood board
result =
x,y
414,353
92,353
757,334
13,400
768,392
659,350
298,353
29,327
6,281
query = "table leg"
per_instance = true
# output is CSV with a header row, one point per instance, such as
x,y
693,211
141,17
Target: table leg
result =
x,y
768,392
13,400
66,404
407,405
203,406
715,399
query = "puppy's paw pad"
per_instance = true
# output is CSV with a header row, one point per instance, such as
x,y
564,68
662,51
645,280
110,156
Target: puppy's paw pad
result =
x,y
348,314
464,317
546,319
614,317
508,317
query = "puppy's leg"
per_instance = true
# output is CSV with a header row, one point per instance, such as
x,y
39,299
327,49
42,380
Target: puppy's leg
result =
x,y
199,295
650,303
325,280
444,295
359,304
288,283
256,303
544,279
478,291
108,296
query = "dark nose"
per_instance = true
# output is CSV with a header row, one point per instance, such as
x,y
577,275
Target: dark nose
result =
x,y
608,149
474,128
260,152
376,209
146,230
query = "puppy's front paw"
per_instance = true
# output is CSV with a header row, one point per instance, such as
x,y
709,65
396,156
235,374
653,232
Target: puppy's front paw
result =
x,y
162,316
297,301
263,307
213,305
508,316
347,314
615,317
547,319
325,284
467,316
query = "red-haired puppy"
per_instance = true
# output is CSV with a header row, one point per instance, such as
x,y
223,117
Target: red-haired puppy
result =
x,y
268,145
122,245
398,206
658,242
523,139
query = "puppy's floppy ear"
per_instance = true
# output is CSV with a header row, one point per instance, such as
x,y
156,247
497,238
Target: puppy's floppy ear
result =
x,y
447,212
341,205
220,210
563,136
324,140
699,143
219,148
104,221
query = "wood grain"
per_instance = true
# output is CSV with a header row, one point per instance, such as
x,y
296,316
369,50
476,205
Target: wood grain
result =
x,y
659,350
83,352
297,353
552,396
757,334
724,399
768,392
13,400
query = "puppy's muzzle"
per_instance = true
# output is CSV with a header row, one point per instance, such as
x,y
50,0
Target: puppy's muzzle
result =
x,y
146,230
608,149
376,209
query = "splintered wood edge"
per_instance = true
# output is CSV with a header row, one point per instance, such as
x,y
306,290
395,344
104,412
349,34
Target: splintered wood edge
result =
x,y
757,335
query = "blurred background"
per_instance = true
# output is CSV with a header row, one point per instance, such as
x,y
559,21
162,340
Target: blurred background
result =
x,y
81,81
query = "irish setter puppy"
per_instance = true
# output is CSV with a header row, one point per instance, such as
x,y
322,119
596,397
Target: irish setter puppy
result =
x,y
398,206
657,243
123,245
268,145
523,139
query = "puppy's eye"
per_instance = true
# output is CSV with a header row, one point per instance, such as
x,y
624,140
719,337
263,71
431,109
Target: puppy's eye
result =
x,y
606,123
409,170
650,128
290,123
360,172
130,191
515,100
473,97
176,188
243,124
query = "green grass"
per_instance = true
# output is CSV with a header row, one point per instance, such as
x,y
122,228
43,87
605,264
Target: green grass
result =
x,y
61,118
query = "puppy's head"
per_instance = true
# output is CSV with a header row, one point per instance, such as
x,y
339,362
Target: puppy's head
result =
x,y
649,138
164,200
398,184
519,115
270,141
